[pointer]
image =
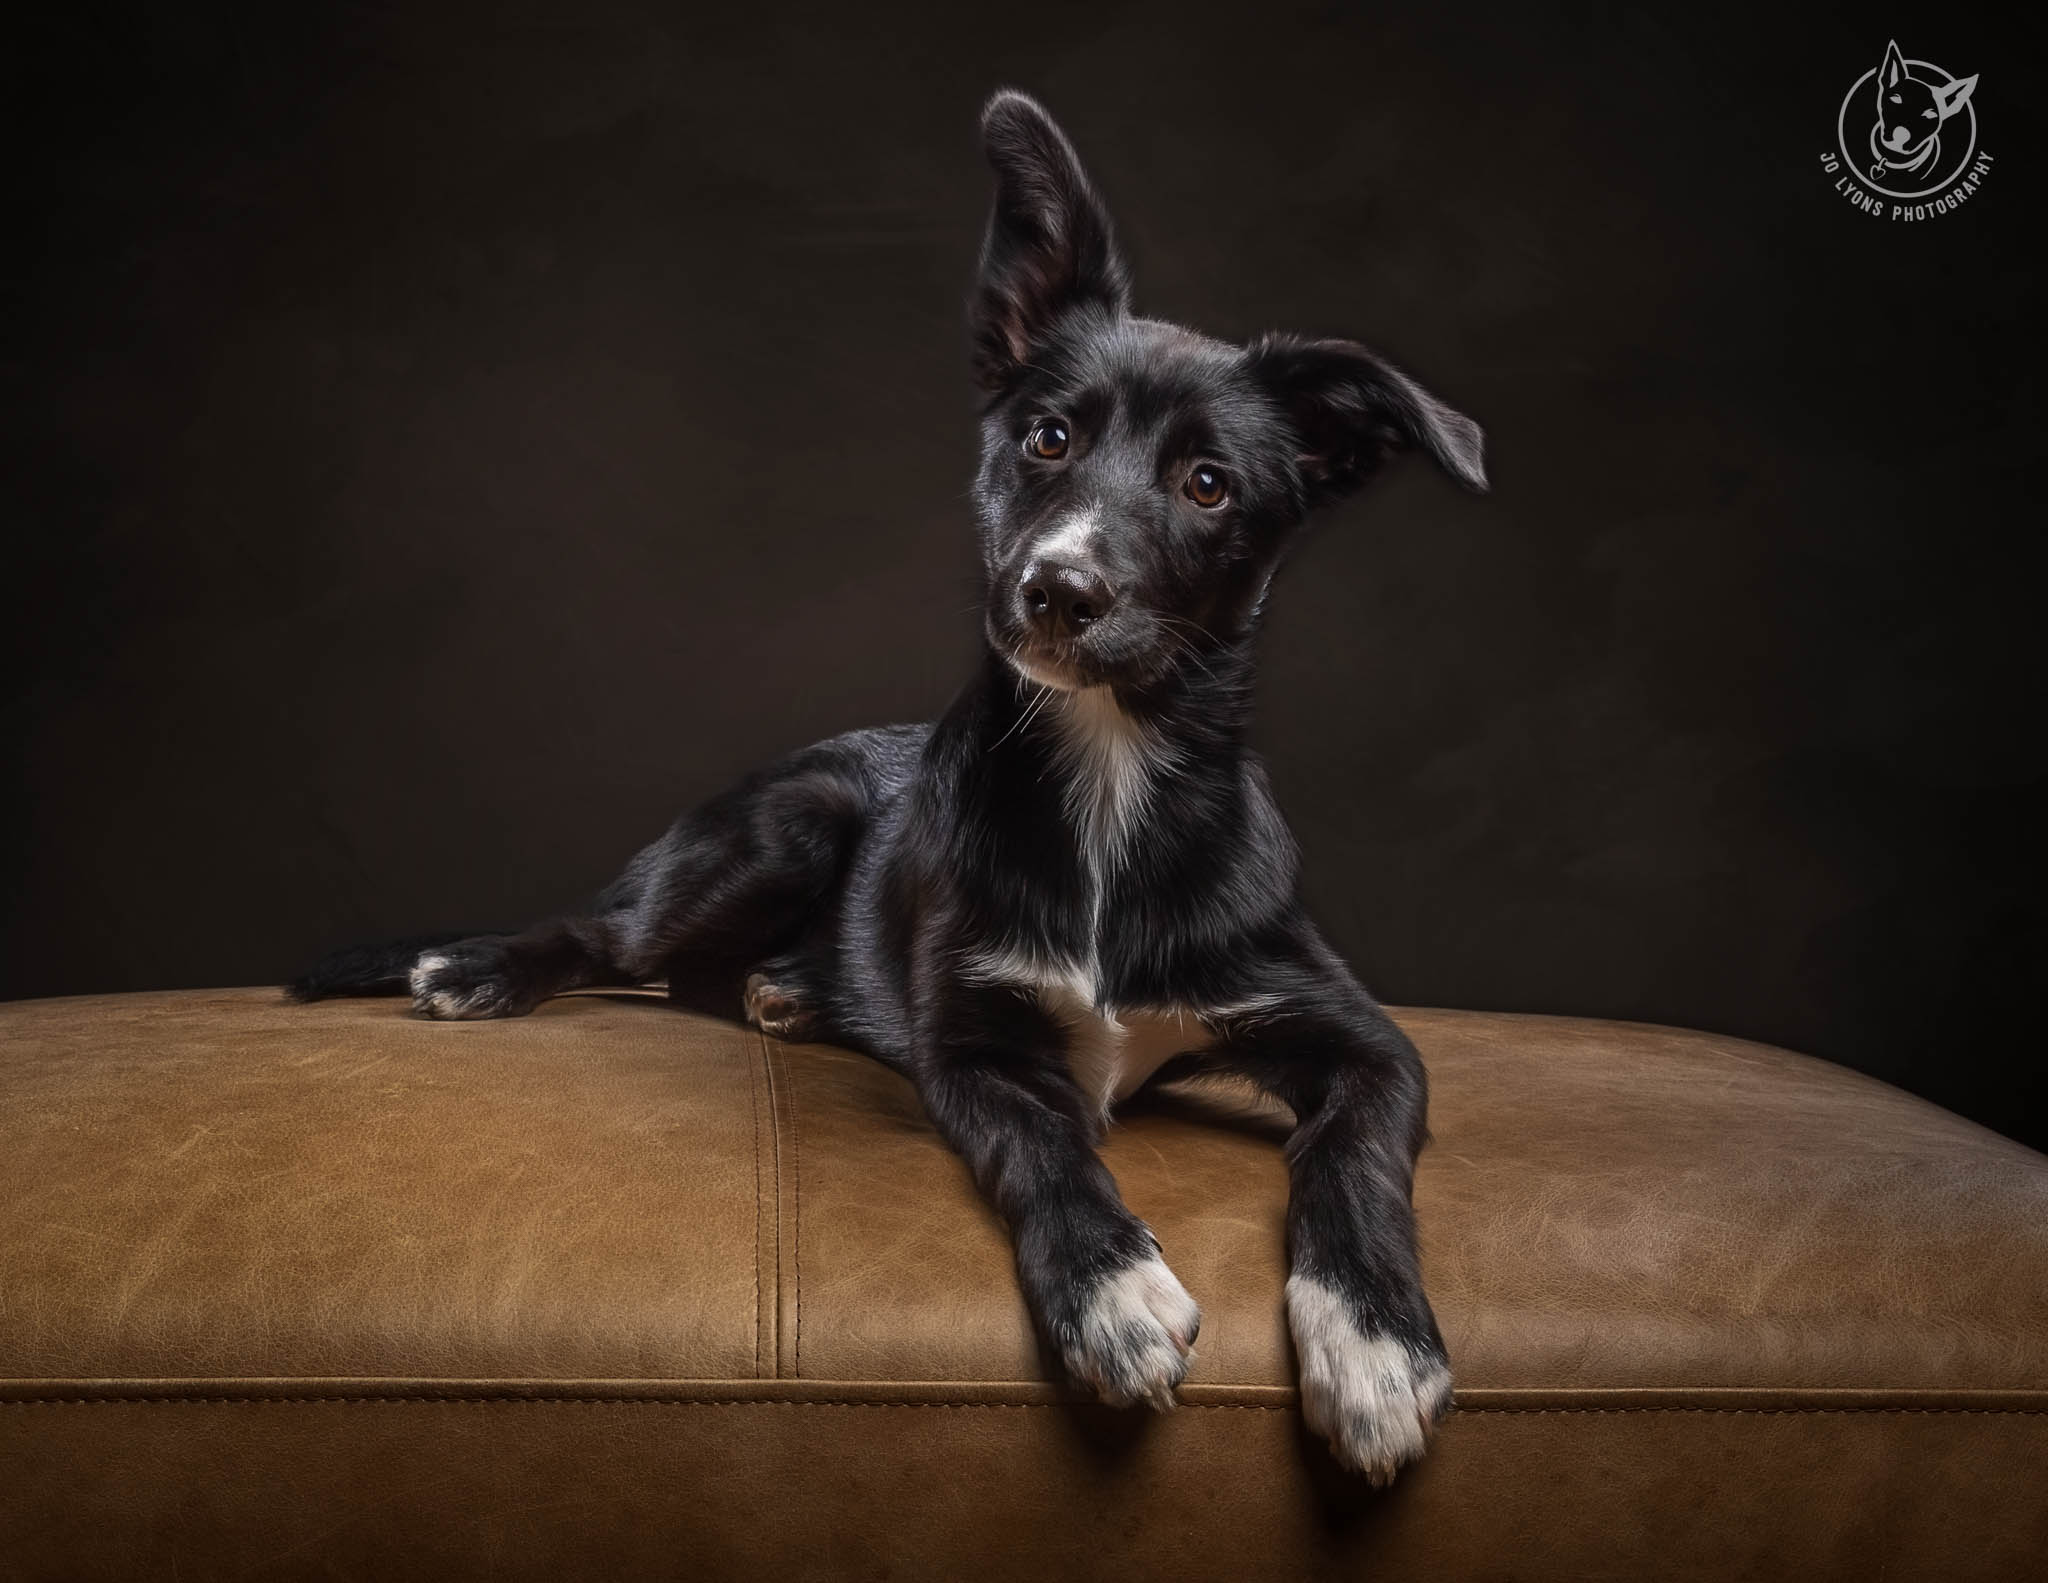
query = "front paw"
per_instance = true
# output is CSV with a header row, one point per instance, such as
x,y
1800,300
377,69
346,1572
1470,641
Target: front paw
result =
x,y
1130,1336
466,980
1374,1398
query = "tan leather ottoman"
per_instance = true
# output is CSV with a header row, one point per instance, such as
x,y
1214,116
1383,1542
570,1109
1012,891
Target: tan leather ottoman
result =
x,y
619,1292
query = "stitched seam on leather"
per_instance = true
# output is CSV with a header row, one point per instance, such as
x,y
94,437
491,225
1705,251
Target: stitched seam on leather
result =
x,y
754,1106
706,1401
796,1206
775,1139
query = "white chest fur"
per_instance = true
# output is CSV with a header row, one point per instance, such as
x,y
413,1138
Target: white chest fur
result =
x,y
1110,1053
1111,1056
1111,763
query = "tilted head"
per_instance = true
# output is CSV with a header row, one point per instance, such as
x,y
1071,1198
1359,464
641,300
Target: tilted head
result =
x,y
1139,482
1909,111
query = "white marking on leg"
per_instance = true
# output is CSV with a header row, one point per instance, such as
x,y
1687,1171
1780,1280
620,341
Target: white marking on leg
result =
x,y
1137,1336
421,980
450,1003
1252,1006
1020,969
1373,1398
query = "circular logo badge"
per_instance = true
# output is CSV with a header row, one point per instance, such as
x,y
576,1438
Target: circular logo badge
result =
x,y
1907,128
1907,132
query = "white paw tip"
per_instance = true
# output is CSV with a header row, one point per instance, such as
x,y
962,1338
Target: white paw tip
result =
x,y
431,1000
1373,1398
1137,1336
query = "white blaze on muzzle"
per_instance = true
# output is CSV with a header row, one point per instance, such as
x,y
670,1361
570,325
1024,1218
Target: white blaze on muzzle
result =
x,y
1070,539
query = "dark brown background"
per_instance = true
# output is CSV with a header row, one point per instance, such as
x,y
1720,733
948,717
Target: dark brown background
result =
x,y
454,438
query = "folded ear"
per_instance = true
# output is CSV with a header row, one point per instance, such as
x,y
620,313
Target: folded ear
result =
x,y
1050,246
1351,410
1951,97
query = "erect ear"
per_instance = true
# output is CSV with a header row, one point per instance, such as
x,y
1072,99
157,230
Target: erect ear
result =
x,y
1050,247
1351,410
1894,66
1951,97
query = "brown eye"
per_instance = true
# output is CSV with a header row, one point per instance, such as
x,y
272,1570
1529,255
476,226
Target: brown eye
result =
x,y
1048,441
1207,485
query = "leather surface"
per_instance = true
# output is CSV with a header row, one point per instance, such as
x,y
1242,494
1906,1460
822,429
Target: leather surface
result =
x,y
593,1490
331,1290
221,1184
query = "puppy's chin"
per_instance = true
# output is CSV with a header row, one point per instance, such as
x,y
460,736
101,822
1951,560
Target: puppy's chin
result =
x,y
1046,672
1037,663
1071,672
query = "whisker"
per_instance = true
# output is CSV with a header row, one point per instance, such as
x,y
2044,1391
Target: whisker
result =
x,y
1044,697
1187,646
1023,719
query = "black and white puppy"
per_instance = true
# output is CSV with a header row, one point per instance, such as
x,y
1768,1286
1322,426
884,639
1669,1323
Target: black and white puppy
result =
x,y
1078,873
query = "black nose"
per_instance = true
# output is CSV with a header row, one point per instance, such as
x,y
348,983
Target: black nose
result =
x,y
1061,600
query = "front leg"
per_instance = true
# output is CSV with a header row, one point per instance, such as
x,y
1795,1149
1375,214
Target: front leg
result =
x,y
993,1076
1374,1377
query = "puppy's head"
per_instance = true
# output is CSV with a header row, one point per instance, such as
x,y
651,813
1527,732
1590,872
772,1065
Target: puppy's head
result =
x,y
1139,482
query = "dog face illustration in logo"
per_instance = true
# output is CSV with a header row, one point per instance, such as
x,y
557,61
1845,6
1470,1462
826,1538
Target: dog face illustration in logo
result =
x,y
1906,139
1910,113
